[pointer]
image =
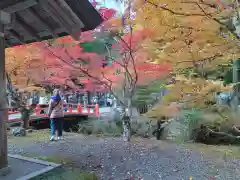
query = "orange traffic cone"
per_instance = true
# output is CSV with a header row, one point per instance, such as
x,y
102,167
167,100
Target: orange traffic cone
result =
x,y
37,109
97,110
79,108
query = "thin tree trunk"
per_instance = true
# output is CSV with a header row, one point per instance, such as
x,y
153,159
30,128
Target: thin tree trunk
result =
x,y
25,116
3,104
127,121
130,108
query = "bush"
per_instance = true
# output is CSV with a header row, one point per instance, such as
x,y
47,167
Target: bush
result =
x,y
100,127
141,128
220,118
192,120
217,118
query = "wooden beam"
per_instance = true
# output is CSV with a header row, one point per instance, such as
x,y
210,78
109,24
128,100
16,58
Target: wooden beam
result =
x,y
58,14
16,36
20,6
41,20
19,20
62,14
65,7
67,22
44,4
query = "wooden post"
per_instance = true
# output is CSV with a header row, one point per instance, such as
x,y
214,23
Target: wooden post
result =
x,y
4,20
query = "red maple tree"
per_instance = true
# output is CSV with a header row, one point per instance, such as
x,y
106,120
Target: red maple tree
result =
x,y
65,63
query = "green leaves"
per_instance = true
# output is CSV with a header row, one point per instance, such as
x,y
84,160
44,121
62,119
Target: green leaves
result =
x,y
99,45
96,46
145,94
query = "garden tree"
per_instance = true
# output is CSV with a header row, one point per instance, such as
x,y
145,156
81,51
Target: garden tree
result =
x,y
19,102
66,76
70,58
83,64
148,95
197,35
188,93
191,35
16,60
185,39
23,63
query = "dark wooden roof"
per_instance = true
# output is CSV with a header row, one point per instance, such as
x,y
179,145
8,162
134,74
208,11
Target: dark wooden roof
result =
x,y
37,20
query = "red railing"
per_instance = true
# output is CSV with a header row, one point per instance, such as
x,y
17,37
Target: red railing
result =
x,y
71,109
12,111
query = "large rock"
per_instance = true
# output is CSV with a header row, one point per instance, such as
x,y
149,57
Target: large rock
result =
x,y
173,130
115,115
18,131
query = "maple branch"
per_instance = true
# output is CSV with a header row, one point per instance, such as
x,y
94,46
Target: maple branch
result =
x,y
14,95
131,58
175,12
126,61
211,5
133,61
122,65
218,21
209,15
202,60
185,27
109,86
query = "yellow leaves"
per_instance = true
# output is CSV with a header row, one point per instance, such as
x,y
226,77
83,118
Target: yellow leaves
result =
x,y
17,59
31,88
183,30
193,92
160,110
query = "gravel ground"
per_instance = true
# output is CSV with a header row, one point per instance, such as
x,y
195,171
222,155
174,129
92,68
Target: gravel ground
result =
x,y
148,159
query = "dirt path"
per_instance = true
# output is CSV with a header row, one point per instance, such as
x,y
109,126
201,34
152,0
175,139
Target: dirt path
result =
x,y
111,158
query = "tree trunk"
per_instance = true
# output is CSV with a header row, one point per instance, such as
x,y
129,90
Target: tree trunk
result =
x,y
25,116
130,108
66,98
3,104
127,121
89,97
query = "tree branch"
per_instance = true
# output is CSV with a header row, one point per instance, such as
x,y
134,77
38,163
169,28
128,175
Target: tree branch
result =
x,y
175,12
109,86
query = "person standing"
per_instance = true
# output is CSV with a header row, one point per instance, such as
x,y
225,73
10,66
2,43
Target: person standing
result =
x,y
56,115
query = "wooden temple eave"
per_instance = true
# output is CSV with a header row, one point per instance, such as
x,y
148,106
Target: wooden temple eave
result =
x,y
16,36
20,21
20,6
38,20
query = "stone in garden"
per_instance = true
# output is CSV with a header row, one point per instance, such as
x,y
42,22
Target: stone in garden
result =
x,y
18,131
115,115
173,129
29,130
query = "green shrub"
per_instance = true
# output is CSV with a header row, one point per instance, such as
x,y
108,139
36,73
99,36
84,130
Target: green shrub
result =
x,y
104,127
100,127
190,120
217,118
